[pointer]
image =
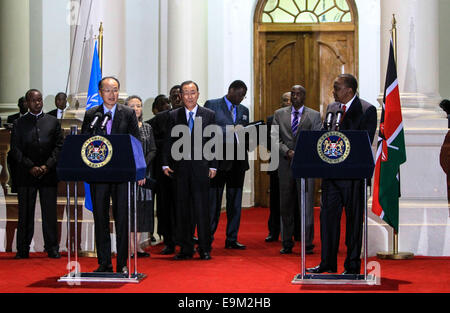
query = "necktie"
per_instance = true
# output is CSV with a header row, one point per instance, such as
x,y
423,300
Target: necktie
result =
x,y
344,110
108,127
233,114
191,121
295,123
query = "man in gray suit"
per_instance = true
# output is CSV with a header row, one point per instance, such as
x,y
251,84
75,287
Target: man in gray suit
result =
x,y
291,120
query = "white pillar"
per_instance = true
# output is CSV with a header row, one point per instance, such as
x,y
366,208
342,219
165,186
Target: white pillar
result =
x,y
187,44
417,50
424,223
14,53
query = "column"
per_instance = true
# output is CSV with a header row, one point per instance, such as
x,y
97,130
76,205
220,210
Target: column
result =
x,y
417,50
14,54
187,44
112,14
424,223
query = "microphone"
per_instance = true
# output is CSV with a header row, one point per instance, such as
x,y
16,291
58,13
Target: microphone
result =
x,y
328,120
94,122
339,114
105,120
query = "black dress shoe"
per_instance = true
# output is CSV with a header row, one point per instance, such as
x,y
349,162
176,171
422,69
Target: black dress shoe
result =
x,y
168,250
234,245
195,240
22,255
271,238
143,254
123,270
286,250
319,269
182,256
53,254
205,256
104,269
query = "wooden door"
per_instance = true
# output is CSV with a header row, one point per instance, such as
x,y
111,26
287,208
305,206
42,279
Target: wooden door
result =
x,y
288,59
311,59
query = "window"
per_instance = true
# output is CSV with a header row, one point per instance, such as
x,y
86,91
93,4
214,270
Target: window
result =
x,y
306,11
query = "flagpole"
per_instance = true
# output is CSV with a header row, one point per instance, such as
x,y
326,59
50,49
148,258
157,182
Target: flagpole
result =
x,y
395,255
100,46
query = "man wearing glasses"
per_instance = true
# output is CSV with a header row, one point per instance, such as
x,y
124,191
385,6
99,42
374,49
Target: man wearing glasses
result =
x,y
123,121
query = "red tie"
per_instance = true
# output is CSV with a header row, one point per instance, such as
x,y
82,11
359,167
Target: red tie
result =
x,y
344,109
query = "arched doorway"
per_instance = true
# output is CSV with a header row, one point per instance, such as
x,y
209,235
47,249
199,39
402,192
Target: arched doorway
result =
x,y
307,42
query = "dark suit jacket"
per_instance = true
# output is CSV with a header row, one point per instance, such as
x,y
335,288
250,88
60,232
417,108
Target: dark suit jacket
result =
x,y
12,118
224,118
181,167
53,112
36,142
124,122
361,116
160,126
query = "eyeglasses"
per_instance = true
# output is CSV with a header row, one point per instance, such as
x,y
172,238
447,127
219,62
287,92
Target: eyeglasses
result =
x,y
110,90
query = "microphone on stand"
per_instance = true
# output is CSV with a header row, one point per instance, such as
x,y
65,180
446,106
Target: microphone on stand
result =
x,y
105,120
95,120
329,120
339,114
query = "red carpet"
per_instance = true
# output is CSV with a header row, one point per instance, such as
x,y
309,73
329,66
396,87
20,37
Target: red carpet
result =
x,y
259,269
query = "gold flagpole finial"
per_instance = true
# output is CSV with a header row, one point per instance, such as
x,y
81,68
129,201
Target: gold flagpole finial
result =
x,y
394,35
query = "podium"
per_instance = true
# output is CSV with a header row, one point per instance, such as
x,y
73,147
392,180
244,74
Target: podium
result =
x,y
109,158
333,155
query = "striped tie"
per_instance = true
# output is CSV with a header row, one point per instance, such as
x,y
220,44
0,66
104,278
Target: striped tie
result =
x,y
295,123
191,121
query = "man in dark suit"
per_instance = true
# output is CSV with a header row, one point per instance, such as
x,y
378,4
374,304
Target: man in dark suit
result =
x,y
274,222
23,109
36,141
231,172
165,188
191,173
61,104
123,121
291,120
336,194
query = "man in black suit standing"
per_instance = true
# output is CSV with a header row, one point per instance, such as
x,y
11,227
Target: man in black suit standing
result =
x,y
274,224
231,172
23,109
61,104
36,141
123,121
191,172
165,189
336,194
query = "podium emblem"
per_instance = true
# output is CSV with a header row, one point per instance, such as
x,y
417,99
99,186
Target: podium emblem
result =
x,y
96,152
333,147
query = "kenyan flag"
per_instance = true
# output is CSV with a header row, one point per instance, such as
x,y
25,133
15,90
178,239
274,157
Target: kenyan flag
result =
x,y
391,150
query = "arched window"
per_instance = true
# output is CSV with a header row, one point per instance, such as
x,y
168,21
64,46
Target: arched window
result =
x,y
306,11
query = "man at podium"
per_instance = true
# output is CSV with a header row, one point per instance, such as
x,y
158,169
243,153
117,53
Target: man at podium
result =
x,y
122,121
357,114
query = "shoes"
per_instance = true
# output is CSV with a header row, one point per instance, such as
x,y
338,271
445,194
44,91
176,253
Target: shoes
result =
x,y
350,272
152,239
124,270
104,269
205,256
22,255
286,250
309,249
54,254
271,238
182,256
234,245
195,240
320,269
143,254
168,250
